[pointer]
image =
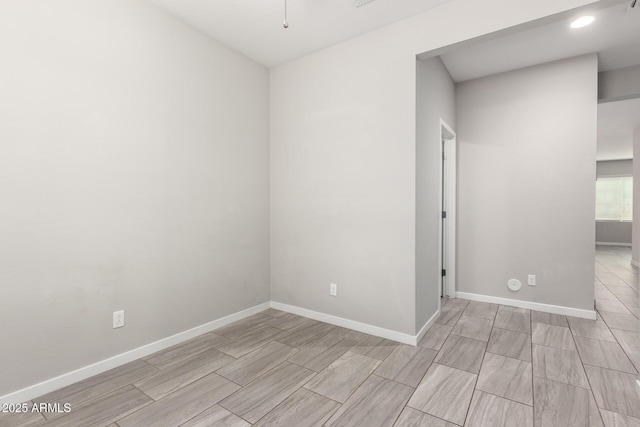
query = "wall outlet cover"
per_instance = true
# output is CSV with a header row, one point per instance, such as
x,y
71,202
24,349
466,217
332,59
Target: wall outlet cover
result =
x,y
118,319
514,285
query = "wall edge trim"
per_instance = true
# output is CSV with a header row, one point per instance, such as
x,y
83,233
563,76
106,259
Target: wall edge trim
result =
x,y
547,308
60,381
347,323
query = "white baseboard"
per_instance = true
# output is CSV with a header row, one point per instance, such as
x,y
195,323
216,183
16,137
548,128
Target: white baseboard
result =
x,y
547,308
346,323
627,245
37,390
427,326
69,378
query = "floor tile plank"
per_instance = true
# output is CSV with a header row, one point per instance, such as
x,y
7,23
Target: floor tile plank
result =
x,y
489,410
435,336
549,318
557,404
301,408
473,327
462,353
105,410
513,321
343,376
615,391
604,354
612,306
255,400
218,417
246,369
614,419
506,377
510,344
552,336
289,321
178,375
594,329
482,310
627,322
449,315
376,347
376,403
21,419
251,340
629,341
186,350
444,393
413,418
99,385
406,364
559,365
182,405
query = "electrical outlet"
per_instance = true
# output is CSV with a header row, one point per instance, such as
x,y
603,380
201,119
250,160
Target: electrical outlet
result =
x,y
333,290
532,280
118,319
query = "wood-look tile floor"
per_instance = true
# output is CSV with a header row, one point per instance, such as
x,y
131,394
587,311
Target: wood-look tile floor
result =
x,y
479,365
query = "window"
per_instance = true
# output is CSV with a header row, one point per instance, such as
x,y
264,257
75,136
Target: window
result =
x,y
614,199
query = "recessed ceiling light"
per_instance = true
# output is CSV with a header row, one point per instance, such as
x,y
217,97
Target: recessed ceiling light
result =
x,y
583,21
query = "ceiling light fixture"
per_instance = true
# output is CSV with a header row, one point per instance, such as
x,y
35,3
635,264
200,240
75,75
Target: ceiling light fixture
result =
x,y
285,24
583,21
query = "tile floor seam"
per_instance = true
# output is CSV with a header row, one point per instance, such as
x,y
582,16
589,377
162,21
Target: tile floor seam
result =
x,y
588,380
230,411
475,385
621,347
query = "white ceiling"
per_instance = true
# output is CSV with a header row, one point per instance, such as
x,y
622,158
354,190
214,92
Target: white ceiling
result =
x,y
254,27
615,35
616,123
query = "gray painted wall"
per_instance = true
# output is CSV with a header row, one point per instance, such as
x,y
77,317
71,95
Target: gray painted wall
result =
x,y
435,100
619,84
526,166
133,175
635,250
608,231
614,168
614,232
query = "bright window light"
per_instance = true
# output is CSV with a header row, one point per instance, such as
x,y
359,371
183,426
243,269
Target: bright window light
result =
x,y
582,21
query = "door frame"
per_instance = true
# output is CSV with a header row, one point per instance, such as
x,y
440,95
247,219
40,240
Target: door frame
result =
x,y
447,202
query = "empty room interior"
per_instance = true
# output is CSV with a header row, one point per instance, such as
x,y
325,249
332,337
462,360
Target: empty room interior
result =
x,y
319,213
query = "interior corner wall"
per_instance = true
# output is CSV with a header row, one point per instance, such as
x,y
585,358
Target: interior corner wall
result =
x,y
435,101
343,155
526,182
635,241
133,175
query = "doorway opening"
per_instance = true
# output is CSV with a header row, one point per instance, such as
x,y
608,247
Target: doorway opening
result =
x,y
448,192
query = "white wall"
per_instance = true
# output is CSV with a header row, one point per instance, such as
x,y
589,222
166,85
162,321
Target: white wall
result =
x,y
435,100
614,231
133,175
526,174
343,154
622,83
